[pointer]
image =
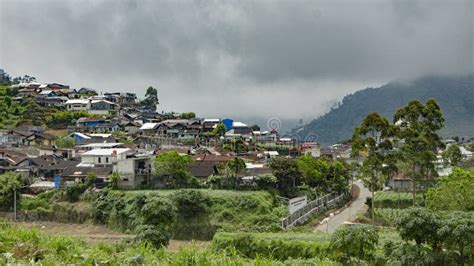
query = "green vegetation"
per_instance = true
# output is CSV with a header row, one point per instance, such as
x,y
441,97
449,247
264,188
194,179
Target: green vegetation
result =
x,y
200,213
389,199
374,136
188,115
387,216
151,99
9,185
280,246
323,175
19,246
65,142
452,155
174,168
62,119
10,111
454,192
350,244
443,240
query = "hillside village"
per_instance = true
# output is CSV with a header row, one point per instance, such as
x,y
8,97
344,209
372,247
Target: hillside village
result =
x,y
77,156
115,133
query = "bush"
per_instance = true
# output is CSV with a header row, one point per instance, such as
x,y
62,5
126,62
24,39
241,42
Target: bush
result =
x,y
9,182
73,192
191,203
155,235
357,242
24,247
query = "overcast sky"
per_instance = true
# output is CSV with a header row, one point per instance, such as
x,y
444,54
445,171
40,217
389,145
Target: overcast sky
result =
x,y
287,59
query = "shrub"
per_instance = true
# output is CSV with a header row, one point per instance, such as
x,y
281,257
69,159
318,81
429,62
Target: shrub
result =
x,y
73,192
357,242
155,235
191,203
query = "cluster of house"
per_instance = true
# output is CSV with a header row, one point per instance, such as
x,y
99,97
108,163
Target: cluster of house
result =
x,y
32,151
84,99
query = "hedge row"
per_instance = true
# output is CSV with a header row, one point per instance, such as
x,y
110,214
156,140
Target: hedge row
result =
x,y
277,246
394,200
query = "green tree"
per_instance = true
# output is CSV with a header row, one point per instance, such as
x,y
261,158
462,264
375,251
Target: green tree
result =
x,y
452,154
151,99
114,180
188,115
374,135
457,232
230,171
313,171
65,142
219,130
158,215
9,183
471,147
358,242
288,175
420,225
8,101
338,176
173,166
454,192
265,181
418,124
191,203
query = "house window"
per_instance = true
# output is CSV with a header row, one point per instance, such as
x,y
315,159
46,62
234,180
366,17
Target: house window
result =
x,y
106,159
100,160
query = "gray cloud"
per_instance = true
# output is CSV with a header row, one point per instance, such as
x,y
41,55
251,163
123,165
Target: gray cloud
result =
x,y
242,58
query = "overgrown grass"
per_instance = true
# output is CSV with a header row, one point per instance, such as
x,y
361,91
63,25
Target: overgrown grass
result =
x,y
219,210
280,246
18,246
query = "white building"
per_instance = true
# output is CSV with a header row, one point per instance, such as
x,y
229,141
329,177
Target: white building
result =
x,y
103,156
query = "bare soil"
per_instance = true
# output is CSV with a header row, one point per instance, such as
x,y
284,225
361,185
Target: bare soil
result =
x,y
92,233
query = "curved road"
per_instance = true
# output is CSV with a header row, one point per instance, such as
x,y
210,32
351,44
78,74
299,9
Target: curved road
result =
x,y
349,213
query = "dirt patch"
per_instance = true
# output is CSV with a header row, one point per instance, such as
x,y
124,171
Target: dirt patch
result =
x,y
89,232
92,233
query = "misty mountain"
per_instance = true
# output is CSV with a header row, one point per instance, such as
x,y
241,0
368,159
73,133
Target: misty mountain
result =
x,y
455,95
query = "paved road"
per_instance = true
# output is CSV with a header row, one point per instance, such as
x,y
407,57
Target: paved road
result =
x,y
349,213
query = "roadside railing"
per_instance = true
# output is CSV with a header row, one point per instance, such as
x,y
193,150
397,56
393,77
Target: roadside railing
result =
x,y
318,205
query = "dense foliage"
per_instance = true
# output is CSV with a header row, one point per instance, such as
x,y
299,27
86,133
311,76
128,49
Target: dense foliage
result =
x,y
19,246
356,242
279,246
454,192
198,213
174,167
9,185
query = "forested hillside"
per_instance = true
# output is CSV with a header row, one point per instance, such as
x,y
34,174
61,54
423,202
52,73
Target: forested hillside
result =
x,y
454,94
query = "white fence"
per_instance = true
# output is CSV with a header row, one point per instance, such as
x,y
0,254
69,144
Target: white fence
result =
x,y
318,205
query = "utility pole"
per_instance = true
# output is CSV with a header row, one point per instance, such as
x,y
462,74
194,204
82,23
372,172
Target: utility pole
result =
x,y
14,202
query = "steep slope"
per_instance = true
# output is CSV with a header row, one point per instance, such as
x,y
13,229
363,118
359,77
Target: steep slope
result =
x,y
454,94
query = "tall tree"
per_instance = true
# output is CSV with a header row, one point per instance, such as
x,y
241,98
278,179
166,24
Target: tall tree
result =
x,y
418,124
374,135
452,155
173,166
151,99
288,175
